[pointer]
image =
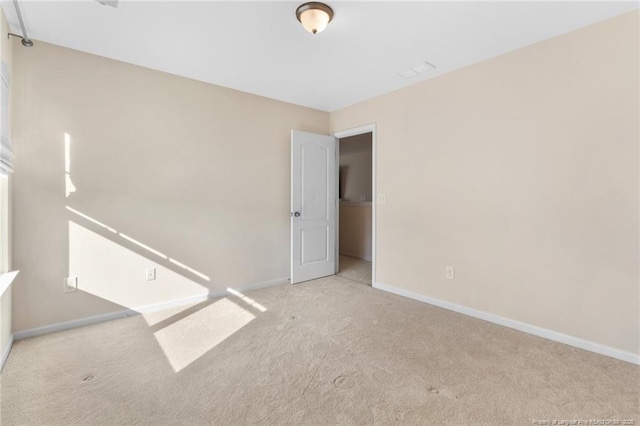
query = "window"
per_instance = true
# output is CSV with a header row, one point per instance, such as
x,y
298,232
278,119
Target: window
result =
x,y
6,167
4,223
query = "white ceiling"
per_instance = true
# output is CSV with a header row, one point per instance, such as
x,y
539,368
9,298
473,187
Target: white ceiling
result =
x,y
259,47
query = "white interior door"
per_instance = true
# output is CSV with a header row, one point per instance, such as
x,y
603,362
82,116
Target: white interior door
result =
x,y
313,206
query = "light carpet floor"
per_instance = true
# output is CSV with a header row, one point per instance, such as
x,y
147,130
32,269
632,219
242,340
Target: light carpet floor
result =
x,y
355,269
330,351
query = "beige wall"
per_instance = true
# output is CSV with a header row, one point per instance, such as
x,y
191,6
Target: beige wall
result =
x,y
168,172
522,172
355,230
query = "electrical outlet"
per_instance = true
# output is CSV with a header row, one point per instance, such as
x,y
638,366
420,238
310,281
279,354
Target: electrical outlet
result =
x,y
450,273
363,198
382,198
151,274
70,284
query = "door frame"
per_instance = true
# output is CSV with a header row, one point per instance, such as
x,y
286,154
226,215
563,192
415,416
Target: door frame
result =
x,y
369,128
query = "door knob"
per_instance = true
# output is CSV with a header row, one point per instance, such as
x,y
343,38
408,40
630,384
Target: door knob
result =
x,y
297,214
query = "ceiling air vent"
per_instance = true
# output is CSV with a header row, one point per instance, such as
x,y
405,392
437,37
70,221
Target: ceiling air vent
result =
x,y
418,69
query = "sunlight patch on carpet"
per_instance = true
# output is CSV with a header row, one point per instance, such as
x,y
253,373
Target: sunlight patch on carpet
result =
x,y
184,341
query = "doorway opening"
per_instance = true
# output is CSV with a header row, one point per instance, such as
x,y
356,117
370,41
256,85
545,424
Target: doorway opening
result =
x,y
356,205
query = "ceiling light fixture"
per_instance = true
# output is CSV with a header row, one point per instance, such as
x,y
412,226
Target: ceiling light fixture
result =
x,y
314,16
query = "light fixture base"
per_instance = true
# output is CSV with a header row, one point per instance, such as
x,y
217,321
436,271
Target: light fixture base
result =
x,y
314,5
26,42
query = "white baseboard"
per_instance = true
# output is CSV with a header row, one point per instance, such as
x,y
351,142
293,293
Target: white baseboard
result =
x,y
5,353
517,325
61,326
82,322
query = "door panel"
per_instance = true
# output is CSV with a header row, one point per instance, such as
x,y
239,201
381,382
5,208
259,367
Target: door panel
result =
x,y
314,245
313,206
314,187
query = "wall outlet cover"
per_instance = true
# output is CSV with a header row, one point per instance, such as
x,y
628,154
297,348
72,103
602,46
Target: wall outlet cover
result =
x,y
450,273
70,284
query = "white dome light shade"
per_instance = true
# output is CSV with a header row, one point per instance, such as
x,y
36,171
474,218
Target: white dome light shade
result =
x,y
314,16
314,20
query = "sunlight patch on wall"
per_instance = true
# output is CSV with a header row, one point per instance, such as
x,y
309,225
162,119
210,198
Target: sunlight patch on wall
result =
x,y
186,340
139,244
92,220
68,184
193,271
144,246
110,271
